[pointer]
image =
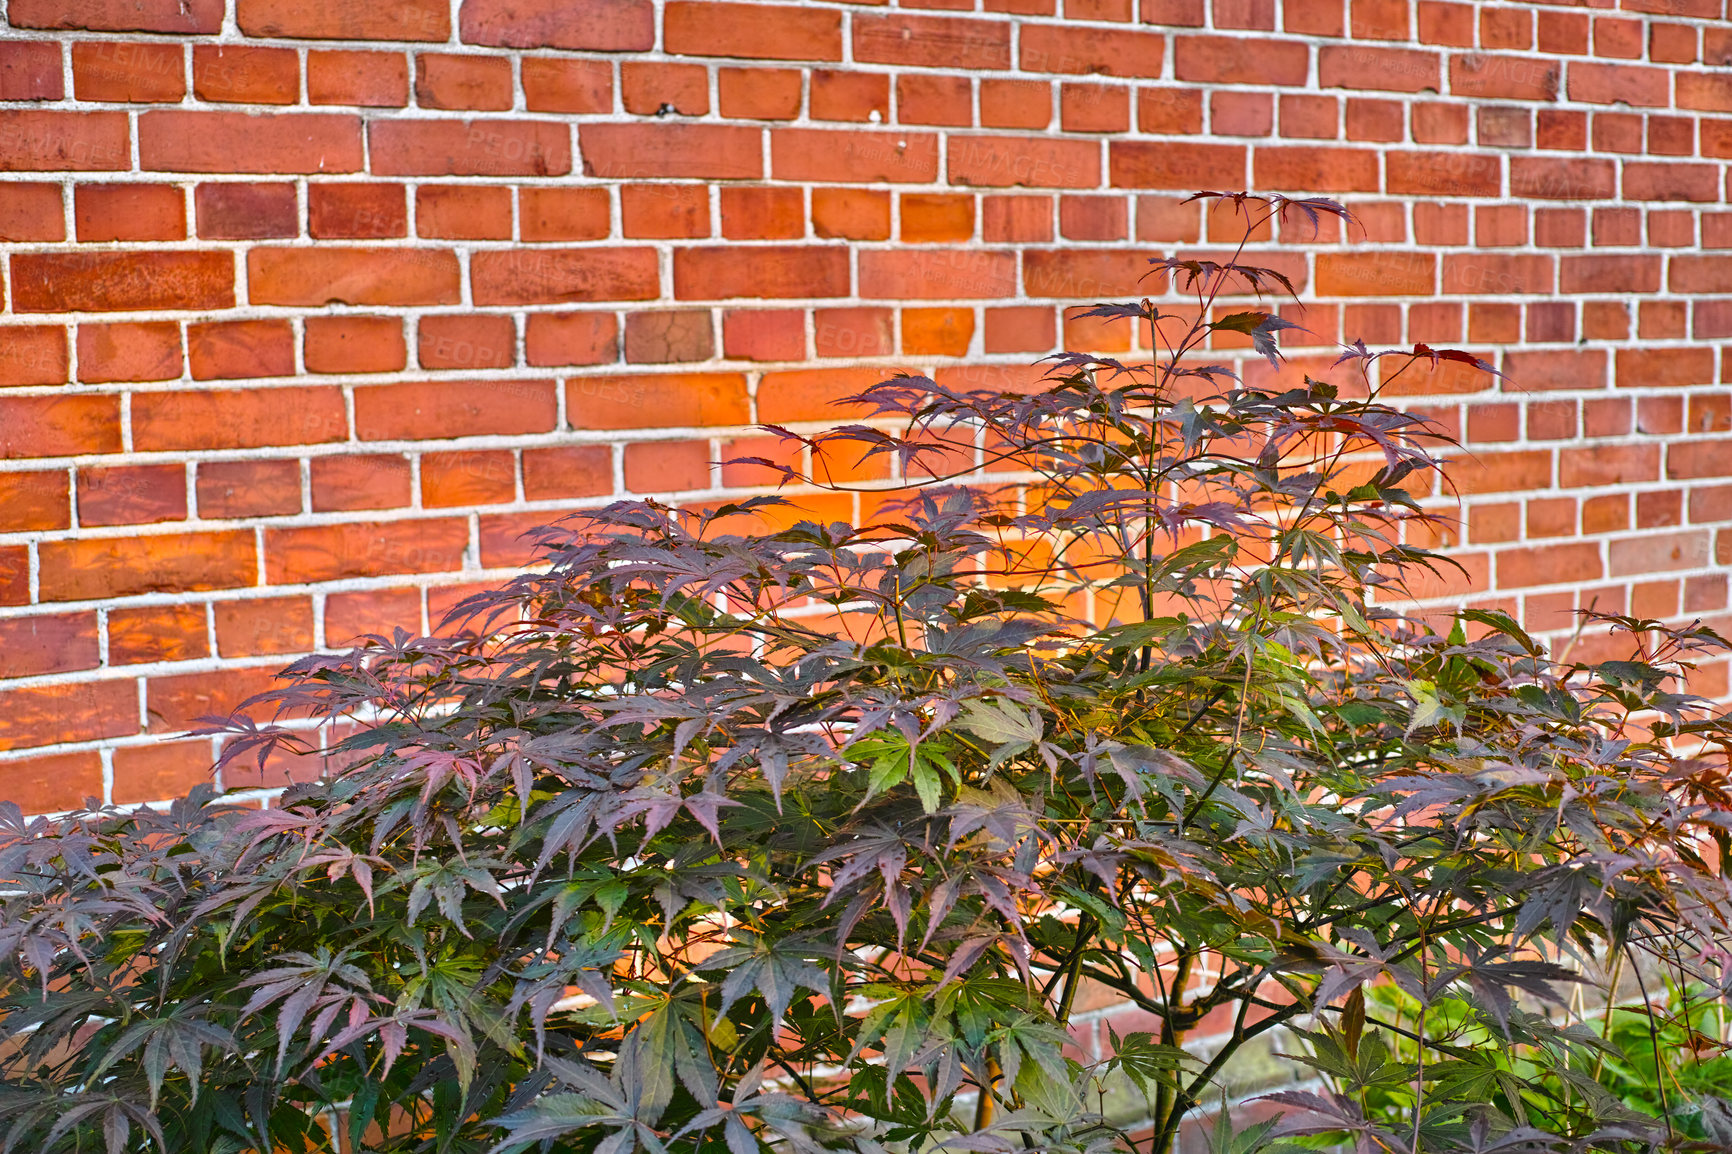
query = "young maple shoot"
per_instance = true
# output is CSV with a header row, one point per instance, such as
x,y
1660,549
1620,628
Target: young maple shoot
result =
x,y
712,835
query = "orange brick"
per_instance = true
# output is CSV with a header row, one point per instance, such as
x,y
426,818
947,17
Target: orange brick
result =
x,y
558,214
52,782
360,481
129,212
80,711
463,213
581,338
229,350
481,477
98,568
659,466
567,471
45,643
131,494
354,344
365,549
248,488
940,332
937,218
349,616
157,633
466,341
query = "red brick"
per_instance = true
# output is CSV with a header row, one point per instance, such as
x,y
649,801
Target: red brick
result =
x,y
1096,218
477,477
1382,69
1028,161
763,213
434,410
1313,169
198,16
1576,369
932,41
669,336
759,93
1084,274
367,79
469,148
752,31
98,568
593,25
854,332
53,782
459,212
589,338
119,70
1238,60
1597,274
1506,127
1015,103
1444,174
1482,76
39,141
937,274
1653,552
309,142
567,471
131,494
466,341
582,86
58,426
161,770
352,481
764,334
681,151
34,501
31,212
1098,51
1016,219
1497,275
1547,179
554,276
1608,465
1019,329
33,355
237,74
665,400
264,625
812,154
246,211
1148,164
365,549
48,643
656,88
1249,114
844,95
446,80
1548,565
1664,368
351,344
230,350
851,213
82,711
248,488
181,702
122,281
1094,108
358,276
108,212
149,351
928,99
1688,460
242,418
1619,83
357,211
659,466
14,575
341,20
1704,91
664,211
775,271
31,70
1672,181
1376,274
376,611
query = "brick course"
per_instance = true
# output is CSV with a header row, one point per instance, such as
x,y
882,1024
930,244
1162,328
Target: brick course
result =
x,y
313,306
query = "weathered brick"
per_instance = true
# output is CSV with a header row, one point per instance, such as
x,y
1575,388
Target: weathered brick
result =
x,y
556,276
435,410
244,418
199,141
590,25
752,31
358,276
775,271
341,20
680,151
121,281
79,711
364,549
664,400
103,567
469,148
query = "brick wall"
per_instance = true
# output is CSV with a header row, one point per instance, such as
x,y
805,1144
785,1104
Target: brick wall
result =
x,y
314,305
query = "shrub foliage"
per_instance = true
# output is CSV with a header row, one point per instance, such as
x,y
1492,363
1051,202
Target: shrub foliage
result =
x,y
709,836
